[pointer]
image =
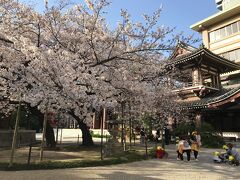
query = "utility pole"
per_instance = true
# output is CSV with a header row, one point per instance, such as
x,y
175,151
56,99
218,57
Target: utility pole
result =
x,y
14,141
44,131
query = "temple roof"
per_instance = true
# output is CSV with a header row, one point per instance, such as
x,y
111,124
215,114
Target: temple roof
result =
x,y
182,49
214,100
206,57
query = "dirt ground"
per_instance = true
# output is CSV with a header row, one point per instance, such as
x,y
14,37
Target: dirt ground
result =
x,y
81,153
67,151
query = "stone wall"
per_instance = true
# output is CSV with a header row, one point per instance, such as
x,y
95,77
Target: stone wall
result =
x,y
25,137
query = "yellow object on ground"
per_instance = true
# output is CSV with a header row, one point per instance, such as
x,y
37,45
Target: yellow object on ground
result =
x,y
230,158
225,147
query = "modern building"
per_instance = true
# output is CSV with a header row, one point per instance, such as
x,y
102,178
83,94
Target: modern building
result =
x,y
210,88
221,35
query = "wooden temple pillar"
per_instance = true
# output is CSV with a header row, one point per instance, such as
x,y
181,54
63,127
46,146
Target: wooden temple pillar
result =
x,y
100,119
219,81
216,81
197,76
213,80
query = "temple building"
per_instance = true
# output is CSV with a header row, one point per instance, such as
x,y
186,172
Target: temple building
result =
x,y
211,86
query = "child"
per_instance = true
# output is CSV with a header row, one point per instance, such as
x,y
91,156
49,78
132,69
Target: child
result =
x,y
160,152
216,157
233,152
183,146
195,143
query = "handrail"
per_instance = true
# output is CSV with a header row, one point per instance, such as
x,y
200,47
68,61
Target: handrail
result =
x,y
193,84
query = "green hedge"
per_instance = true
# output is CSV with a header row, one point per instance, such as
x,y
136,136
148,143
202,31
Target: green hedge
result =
x,y
99,135
209,135
212,141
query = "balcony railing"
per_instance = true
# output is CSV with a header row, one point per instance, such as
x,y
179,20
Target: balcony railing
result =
x,y
191,84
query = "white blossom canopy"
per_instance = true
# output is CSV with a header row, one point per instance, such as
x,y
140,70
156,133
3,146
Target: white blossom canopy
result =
x,y
68,56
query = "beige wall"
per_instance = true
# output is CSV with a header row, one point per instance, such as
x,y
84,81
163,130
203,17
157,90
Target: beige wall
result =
x,y
223,23
226,44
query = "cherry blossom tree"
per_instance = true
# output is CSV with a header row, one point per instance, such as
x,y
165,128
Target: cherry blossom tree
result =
x,y
69,57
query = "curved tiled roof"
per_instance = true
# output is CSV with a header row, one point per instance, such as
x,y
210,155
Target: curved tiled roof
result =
x,y
201,51
214,98
182,45
217,61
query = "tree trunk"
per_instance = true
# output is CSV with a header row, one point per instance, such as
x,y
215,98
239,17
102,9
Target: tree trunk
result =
x,y
86,136
50,139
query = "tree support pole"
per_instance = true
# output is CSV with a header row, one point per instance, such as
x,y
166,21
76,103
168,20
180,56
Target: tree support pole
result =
x,y
122,125
29,154
130,127
103,120
44,132
146,148
14,142
57,128
61,136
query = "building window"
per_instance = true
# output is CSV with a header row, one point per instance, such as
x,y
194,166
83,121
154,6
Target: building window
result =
x,y
232,55
224,31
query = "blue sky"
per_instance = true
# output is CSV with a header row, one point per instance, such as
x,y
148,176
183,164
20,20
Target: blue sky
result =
x,y
176,13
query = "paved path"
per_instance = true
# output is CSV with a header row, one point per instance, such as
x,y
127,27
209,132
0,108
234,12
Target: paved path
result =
x,y
166,169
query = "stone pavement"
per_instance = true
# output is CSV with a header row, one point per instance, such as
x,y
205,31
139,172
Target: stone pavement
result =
x,y
164,169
